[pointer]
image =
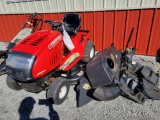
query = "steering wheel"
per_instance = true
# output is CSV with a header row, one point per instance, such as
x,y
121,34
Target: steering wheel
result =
x,y
53,23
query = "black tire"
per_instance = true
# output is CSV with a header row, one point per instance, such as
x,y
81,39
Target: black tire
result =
x,y
12,84
55,88
89,49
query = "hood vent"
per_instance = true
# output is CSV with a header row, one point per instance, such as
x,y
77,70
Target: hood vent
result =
x,y
54,60
36,42
25,41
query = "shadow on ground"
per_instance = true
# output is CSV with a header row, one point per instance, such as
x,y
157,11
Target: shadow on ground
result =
x,y
27,106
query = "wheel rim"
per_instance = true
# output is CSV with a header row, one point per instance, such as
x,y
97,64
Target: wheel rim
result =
x,y
62,92
92,52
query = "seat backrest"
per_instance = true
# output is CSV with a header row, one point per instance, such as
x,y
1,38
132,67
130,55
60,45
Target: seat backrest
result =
x,y
72,22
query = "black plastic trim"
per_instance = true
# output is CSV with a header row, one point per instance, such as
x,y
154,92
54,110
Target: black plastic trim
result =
x,y
26,72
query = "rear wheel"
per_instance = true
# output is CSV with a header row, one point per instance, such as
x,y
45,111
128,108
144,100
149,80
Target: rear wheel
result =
x,y
89,51
12,84
58,90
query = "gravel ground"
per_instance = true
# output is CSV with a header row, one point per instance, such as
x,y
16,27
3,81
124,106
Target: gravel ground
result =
x,y
22,105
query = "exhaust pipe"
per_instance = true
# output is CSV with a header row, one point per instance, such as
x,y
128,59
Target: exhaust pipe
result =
x,y
106,93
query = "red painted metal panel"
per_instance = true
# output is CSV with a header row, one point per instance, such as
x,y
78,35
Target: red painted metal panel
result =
x,y
5,28
12,28
18,24
14,25
154,44
119,28
146,17
61,16
55,17
2,28
11,25
89,23
108,29
47,26
1,32
14,20
105,28
132,21
22,18
98,29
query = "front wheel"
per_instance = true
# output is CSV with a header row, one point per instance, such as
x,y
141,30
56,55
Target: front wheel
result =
x,y
58,90
89,52
12,84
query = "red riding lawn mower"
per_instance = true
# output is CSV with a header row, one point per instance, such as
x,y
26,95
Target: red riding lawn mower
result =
x,y
50,59
34,22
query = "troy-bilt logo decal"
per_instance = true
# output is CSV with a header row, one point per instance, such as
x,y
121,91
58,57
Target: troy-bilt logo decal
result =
x,y
54,42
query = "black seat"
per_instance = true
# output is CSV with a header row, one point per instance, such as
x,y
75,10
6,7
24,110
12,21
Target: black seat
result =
x,y
72,23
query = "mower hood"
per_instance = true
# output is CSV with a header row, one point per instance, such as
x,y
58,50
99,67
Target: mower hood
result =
x,y
26,60
35,43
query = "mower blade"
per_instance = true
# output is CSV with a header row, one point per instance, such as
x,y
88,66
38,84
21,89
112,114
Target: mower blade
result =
x,y
107,93
84,92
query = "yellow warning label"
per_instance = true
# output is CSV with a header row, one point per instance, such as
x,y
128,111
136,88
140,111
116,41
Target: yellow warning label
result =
x,y
86,86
